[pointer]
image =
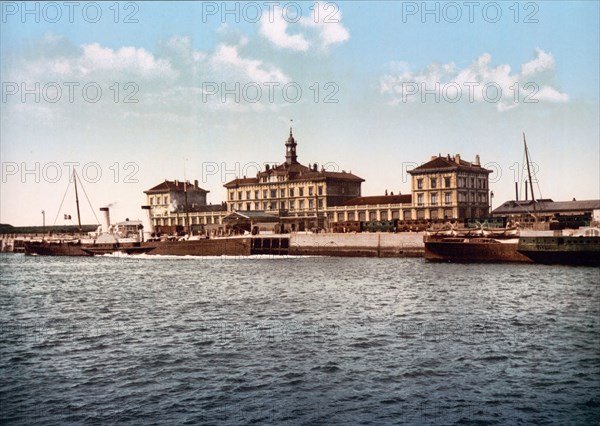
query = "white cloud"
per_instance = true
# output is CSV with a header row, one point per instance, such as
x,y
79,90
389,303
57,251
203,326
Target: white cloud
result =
x,y
251,70
542,62
477,82
322,29
274,28
326,19
173,78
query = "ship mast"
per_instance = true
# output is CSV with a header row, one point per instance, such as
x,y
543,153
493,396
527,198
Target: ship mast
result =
x,y
529,174
77,201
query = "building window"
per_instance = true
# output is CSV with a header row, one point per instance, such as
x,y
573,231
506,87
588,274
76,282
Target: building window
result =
x,y
301,204
310,191
472,182
433,183
301,192
311,204
247,195
340,216
407,215
292,205
446,182
247,206
448,198
273,193
264,205
361,216
320,190
291,192
433,214
419,183
320,203
239,195
166,199
372,215
273,205
395,214
256,206
384,215
282,205
351,216
419,199
434,199
264,193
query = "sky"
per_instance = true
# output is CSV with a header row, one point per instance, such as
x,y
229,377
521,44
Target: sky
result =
x,y
129,94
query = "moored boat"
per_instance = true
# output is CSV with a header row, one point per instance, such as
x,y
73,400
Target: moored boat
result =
x,y
581,248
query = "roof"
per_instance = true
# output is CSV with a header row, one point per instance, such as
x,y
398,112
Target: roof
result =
x,y
295,173
254,216
547,206
447,163
176,186
379,199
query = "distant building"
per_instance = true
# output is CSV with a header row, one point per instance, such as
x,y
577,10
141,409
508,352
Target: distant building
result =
x,y
450,188
299,194
168,201
524,211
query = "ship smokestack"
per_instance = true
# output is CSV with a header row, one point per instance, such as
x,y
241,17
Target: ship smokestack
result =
x,y
516,191
147,223
105,220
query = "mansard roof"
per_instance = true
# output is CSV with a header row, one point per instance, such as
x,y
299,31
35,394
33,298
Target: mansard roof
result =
x,y
175,186
295,173
446,164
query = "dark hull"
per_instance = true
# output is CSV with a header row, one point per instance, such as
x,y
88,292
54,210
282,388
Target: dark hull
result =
x,y
580,258
206,247
55,249
562,250
473,251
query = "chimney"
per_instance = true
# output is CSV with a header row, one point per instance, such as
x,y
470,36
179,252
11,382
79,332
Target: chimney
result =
x,y
105,220
196,184
176,182
433,157
457,158
477,160
147,223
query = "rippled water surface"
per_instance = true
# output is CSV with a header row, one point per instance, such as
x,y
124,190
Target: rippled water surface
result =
x,y
296,341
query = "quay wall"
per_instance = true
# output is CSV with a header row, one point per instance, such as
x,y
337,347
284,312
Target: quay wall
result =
x,y
405,244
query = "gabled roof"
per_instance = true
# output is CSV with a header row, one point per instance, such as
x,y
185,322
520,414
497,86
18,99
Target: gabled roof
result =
x,y
175,186
379,199
447,163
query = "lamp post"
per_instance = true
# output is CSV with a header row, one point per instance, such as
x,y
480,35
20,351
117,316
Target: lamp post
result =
x,y
491,202
43,223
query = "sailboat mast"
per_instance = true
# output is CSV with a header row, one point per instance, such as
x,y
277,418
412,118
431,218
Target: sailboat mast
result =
x,y
529,174
77,200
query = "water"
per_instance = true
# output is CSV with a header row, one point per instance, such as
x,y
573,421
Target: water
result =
x,y
322,341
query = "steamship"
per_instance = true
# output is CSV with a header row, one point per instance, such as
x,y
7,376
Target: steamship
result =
x,y
107,241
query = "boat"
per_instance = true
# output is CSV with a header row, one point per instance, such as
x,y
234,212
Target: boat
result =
x,y
108,241
473,249
477,244
580,248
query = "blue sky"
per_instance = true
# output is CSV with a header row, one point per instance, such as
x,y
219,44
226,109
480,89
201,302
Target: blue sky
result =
x,y
363,68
